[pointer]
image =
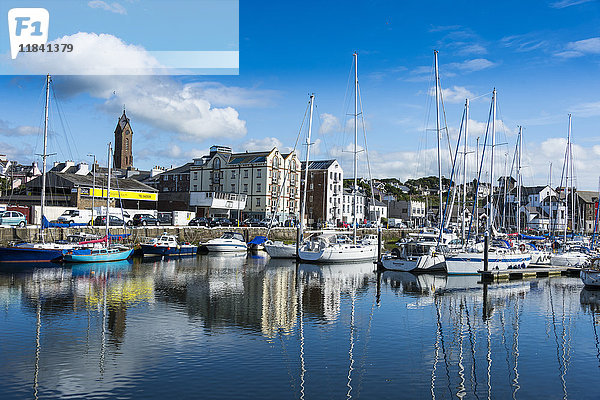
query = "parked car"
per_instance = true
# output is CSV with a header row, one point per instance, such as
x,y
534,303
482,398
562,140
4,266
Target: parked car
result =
x,y
220,222
251,222
13,218
267,222
165,218
343,224
199,221
145,219
114,221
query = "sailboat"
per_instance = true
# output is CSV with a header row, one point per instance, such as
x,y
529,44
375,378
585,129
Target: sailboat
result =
x,y
279,249
103,253
333,247
423,252
37,252
501,255
573,256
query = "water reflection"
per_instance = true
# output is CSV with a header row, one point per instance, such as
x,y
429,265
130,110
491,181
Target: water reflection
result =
x,y
231,326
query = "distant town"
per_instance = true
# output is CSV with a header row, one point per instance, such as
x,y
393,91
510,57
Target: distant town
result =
x,y
268,184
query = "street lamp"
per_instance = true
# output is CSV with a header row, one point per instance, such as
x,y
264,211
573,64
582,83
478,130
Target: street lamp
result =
x,y
93,185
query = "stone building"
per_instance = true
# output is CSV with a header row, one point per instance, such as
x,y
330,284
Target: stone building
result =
x,y
246,185
123,143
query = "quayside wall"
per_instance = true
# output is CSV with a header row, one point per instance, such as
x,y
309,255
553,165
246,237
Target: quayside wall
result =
x,y
186,234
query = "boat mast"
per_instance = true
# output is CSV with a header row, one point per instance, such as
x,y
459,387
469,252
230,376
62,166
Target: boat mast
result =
x,y
491,216
551,227
567,158
520,141
464,207
303,211
355,143
572,181
108,194
45,155
439,138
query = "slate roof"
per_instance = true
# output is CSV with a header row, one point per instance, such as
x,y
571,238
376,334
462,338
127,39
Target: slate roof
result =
x,y
318,165
67,180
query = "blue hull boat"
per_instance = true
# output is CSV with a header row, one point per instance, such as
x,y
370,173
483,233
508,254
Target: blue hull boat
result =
x,y
181,250
27,253
98,255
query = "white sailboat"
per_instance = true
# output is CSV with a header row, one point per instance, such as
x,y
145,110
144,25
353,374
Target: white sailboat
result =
x,y
330,247
570,256
423,253
278,249
471,260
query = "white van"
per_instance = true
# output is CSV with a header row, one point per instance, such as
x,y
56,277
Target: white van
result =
x,y
74,216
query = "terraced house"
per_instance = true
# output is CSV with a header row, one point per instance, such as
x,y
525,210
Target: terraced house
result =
x,y
246,185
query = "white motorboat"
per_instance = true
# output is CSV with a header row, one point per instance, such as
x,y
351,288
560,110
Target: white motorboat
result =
x,y
332,247
471,262
278,249
422,254
590,275
230,241
572,258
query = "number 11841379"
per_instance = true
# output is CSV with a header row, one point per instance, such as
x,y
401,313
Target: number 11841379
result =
x,y
46,48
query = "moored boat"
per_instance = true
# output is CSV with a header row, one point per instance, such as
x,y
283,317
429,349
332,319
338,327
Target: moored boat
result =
x,y
230,241
167,245
102,254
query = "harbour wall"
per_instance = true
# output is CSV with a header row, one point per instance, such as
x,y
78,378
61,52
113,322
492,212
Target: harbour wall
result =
x,y
184,234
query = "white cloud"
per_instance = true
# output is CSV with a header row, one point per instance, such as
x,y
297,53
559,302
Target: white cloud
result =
x,y
93,54
23,130
568,3
473,65
455,94
264,144
113,7
587,109
580,48
221,95
329,123
159,101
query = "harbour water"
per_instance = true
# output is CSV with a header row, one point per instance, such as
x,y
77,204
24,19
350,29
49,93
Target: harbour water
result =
x,y
236,326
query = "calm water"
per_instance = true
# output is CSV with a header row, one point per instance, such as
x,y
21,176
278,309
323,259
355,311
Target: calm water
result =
x,y
236,327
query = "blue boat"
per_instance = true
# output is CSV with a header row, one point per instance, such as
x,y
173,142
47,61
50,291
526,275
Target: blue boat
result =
x,y
103,254
31,253
167,245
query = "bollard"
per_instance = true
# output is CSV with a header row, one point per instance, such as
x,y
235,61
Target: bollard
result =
x,y
486,244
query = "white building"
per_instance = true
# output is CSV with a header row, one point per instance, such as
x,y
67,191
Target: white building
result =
x,y
255,184
361,202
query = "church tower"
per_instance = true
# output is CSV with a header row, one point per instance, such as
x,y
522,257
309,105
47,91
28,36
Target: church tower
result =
x,y
123,143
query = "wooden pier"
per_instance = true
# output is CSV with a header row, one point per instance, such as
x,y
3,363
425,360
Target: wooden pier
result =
x,y
524,273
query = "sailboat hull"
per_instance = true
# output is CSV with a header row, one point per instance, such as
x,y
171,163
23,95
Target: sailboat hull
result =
x,y
472,263
25,254
86,256
344,253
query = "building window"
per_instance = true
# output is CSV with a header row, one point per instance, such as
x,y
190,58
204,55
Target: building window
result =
x,y
258,201
258,187
232,188
310,198
312,186
195,188
195,175
245,188
217,163
245,173
258,173
293,165
232,174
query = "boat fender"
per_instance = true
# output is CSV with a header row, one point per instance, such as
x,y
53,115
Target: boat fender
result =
x,y
178,247
522,247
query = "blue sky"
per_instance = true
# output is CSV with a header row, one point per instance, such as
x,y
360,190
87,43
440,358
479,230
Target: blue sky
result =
x,y
543,58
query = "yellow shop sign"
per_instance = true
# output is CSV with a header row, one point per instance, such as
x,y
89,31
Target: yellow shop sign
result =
x,y
125,195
